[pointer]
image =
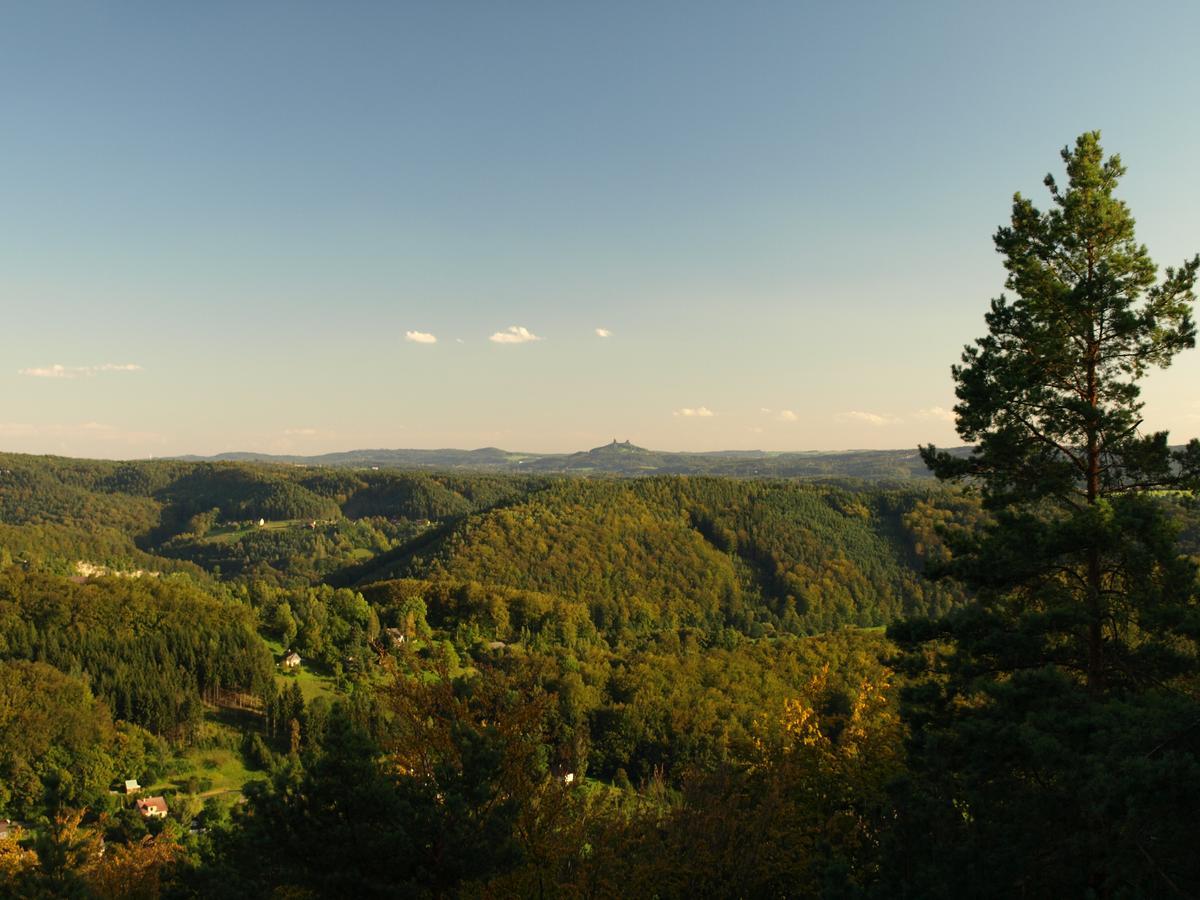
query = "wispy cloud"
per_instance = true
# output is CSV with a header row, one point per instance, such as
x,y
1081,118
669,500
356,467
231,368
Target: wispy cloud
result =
x,y
514,334
420,337
782,415
301,432
936,413
699,412
61,371
868,418
603,332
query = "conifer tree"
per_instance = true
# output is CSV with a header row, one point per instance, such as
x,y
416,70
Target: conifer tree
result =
x,y
1055,737
1050,399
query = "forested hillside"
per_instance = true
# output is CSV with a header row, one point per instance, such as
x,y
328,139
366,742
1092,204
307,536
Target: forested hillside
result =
x,y
555,661
760,557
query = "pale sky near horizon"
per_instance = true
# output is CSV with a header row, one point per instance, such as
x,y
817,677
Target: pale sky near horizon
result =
x,y
300,227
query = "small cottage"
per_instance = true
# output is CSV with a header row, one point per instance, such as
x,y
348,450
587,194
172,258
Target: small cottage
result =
x,y
131,786
152,808
292,660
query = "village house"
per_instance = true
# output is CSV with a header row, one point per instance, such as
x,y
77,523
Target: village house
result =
x,y
8,829
292,660
152,808
131,786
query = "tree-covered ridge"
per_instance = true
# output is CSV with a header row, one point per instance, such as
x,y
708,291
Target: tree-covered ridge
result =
x,y
420,496
59,548
709,553
48,490
760,556
163,515
155,499
619,458
50,726
151,648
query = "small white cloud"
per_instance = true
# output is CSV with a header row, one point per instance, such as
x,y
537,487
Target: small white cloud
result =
x,y
936,413
756,429
54,371
868,418
603,332
765,410
458,340
700,412
786,415
61,371
301,432
420,337
514,334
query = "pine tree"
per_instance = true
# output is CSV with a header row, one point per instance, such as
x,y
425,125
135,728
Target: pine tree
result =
x,y
1055,746
1050,399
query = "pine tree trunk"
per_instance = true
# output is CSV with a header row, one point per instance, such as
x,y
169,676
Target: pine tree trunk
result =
x,y
1095,648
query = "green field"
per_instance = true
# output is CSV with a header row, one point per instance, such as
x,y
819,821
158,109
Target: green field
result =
x,y
229,534
311,684
224,768
314,681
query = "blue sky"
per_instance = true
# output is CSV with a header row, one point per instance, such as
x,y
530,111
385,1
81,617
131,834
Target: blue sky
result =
x,y
223,219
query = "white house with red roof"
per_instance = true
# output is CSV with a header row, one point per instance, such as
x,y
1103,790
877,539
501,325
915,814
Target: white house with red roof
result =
x,y
152,807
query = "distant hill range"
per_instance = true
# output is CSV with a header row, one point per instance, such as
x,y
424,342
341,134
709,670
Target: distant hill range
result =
x,y
620,458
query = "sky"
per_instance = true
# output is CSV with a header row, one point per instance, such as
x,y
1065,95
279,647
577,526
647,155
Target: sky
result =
x,y
304,227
